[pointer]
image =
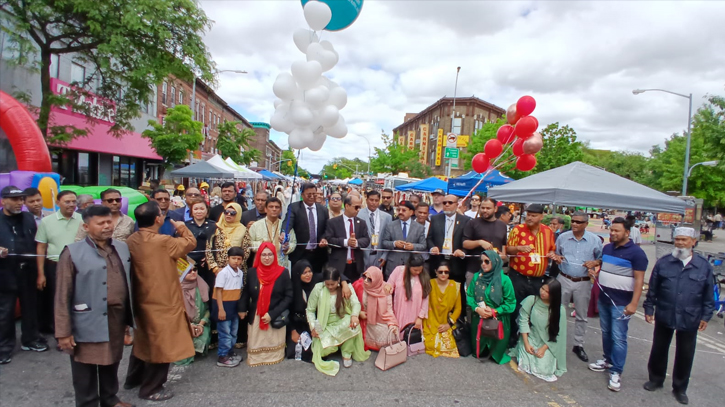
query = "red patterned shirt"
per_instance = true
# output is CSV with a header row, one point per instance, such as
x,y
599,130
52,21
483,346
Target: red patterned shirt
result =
x,y
542,243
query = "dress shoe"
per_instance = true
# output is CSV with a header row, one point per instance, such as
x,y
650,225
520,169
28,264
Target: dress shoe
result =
x,y
652,386
579,351
681,397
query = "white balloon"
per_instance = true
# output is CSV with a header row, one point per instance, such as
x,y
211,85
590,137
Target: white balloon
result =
x,y
338,97
317,15
278,102
301,136
284,86
313,50
339,130
329,116
327,59
295,143
302,116
280,121
317,141
317,96
306,73
327,45
304,38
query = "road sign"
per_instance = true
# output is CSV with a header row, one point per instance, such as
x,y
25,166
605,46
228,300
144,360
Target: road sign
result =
x,y
451,140
451,152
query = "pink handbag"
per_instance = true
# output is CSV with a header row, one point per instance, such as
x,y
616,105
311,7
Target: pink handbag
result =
x,y
392,355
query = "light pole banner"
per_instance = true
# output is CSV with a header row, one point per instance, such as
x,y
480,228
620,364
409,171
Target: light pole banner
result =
x,y
424,144
439,146
411,139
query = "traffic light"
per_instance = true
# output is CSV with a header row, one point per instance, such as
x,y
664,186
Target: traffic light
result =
x,y
334,166
289,163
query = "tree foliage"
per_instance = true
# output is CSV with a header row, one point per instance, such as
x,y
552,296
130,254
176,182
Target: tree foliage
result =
x,y
129,45
560,148
394,158
177,136
288,167
232,140
341,168
627,164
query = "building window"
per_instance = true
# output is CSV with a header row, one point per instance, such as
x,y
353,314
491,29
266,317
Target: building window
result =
x,y
181,97
457,123
173,96
203,114
196,111
164,89
77,73
54,65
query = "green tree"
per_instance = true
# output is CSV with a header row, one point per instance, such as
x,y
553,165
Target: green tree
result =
x,y
130,45
394,158
341,168
288,167
627,164
177,136
560,148
232,140
709,123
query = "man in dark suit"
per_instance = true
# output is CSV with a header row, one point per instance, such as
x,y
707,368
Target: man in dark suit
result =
x,y
256,213
190,196
403,234
309,219
346,235
445,239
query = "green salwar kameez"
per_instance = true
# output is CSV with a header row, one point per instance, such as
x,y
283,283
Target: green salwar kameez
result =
x,y
534,321
478,292
201,343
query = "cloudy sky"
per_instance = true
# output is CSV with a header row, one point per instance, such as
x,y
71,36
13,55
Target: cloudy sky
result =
x,y
579,59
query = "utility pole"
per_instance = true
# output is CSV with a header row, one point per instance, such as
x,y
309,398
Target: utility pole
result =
x,y
453,118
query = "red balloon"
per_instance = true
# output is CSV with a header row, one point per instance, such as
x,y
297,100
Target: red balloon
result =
x,y
480,163
526,105
526,162
537,121
505,134
493,148
518,147
526,127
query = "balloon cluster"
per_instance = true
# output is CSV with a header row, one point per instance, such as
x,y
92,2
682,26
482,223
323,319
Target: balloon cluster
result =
x,y
519,134
308,108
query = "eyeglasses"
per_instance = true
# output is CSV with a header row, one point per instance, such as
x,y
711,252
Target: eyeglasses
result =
x,y
443,272
112,200
579,222
162,199
233,213
486,261
193,195
448,202
336,199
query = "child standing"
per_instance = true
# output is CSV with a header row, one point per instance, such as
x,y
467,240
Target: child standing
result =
x,y
227,291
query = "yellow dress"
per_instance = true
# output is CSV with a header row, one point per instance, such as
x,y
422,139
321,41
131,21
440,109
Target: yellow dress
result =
x,y
442,306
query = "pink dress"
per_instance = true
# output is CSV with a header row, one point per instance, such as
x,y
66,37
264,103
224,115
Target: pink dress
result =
x,y
407,311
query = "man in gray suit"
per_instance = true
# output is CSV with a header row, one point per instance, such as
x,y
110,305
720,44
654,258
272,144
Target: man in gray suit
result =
x,y
403,234
377,221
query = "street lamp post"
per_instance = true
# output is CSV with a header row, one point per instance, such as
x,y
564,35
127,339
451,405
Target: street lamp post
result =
x,y
453,119
278,162
704,163
689,136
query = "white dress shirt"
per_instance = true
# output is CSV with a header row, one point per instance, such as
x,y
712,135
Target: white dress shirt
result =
x,y
346,221
450,224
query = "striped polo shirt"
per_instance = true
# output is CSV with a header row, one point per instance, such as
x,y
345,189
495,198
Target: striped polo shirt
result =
x,y
617,274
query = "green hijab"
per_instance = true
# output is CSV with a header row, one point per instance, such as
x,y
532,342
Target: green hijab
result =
x,y
492,279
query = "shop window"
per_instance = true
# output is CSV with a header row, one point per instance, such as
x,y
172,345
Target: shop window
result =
x,y
84,175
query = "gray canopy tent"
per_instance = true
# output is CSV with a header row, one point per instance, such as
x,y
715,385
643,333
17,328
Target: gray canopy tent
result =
x,y
579,184
203,169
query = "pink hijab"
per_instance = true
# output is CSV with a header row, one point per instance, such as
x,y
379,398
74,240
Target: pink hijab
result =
x,y
377,305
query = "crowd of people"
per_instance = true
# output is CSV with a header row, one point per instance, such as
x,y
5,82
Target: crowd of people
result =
x,y
352,277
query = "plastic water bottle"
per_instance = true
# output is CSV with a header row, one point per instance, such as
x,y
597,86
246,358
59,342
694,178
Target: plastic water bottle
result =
x,y
298,350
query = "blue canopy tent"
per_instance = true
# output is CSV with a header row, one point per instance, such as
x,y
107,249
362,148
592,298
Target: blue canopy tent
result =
x,y
426,185
356,181
269,175
461,185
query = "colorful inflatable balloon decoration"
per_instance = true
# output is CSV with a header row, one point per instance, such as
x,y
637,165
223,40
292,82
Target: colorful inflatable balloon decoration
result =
x,y
308,105
518,135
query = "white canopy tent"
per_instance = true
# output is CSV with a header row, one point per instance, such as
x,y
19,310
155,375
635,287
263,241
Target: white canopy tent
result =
x,y
218,162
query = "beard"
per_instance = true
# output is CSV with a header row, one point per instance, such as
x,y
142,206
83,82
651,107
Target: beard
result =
x,y
681,253
449,213
15,211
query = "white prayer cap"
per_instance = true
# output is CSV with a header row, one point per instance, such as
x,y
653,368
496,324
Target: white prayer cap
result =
x,y
683,231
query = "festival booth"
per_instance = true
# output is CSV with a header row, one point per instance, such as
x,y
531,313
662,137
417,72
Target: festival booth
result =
x,y
268,175
460,186
355,181
427,185
203,169
246,172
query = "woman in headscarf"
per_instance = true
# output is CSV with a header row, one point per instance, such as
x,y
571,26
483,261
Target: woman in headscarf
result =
x,y
303,281
196,296
444,308
266,295
491,295
541,350
229,233
334,324
377,318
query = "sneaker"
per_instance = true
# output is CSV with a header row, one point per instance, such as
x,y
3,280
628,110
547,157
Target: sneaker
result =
x,y
226,361
5,358
599,366
35,346
347,362
614,384
234,356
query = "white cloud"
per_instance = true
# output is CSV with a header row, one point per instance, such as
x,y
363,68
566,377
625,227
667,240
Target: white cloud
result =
x,y
580,60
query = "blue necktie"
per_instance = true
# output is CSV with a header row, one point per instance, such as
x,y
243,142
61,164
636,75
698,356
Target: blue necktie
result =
x,y
405,230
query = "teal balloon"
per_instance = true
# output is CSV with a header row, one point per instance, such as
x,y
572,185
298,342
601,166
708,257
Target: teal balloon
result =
x,y
344,13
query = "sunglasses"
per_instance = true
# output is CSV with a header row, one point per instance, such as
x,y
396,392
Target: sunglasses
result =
x,y
579,222
193,195
336,199
487,261
112,200
448,202
444,272
163,199
357,207
233,213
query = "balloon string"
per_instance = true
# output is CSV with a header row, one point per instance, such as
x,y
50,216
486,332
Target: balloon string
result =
x,y
289,207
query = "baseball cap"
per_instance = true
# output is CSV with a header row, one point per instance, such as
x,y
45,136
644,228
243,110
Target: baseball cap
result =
x,y
438,191
535,208
11,191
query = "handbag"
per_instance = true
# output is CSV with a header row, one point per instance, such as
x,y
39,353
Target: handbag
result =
x,y
281,321
392,355
490,328
414,338
462,335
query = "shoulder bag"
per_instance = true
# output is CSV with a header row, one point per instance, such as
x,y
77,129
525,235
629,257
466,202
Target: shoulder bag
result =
x,y
414,338
281,321
392,355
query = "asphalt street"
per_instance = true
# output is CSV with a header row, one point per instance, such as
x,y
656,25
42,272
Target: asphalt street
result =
x,y
44,379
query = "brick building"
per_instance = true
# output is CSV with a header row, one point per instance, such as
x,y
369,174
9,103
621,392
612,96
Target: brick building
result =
x,y
271,153
421,130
